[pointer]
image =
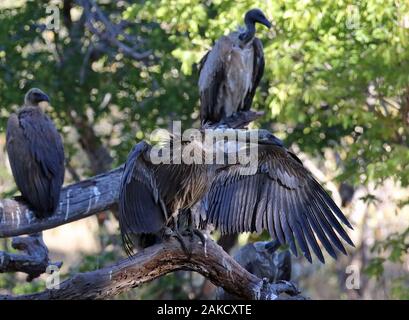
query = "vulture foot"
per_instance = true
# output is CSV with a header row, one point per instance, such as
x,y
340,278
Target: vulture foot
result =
x,y
287,287
168,232
191,232
272,246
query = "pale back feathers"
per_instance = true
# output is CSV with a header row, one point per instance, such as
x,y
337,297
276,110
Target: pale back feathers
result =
x,y
229,76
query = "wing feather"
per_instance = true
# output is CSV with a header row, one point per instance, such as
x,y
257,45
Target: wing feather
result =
x,y
281,197
297,226
258,70
262,206
212,74
141,209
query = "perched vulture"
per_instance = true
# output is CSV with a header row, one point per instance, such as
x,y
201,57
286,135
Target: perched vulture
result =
x,y
151,195
262,260
231,71
281,196
36,154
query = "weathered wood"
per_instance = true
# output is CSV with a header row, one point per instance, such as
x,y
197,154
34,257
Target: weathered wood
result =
x,y
264,261
77,201
156,261
33,260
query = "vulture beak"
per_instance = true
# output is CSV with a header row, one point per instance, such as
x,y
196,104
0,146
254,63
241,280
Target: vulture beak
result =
x,y
42,97
265,22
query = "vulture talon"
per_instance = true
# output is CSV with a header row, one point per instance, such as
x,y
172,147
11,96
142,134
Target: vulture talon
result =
x,y
171,230
283,286
192,232
272,246
168,232
202,238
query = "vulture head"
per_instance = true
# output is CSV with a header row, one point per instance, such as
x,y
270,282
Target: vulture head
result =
x,y
252,16
34,96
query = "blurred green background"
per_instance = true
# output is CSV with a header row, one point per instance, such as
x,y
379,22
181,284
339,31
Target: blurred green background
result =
x,y
335,89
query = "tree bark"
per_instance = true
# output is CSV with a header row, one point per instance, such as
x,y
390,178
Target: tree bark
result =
x,y
156,261
34,258
77,201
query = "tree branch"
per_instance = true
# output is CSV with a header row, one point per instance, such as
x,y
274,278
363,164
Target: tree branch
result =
x,y
110,32
158,260
77,201
34,260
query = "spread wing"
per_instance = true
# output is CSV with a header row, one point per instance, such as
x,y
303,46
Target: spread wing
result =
x,y
36,155
212,74
141,209
258,70
281,197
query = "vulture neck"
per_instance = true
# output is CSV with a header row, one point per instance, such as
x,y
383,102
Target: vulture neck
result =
x,y
30,103
250,30
40,106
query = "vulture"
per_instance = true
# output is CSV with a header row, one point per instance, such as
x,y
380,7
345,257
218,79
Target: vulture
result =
x,y
36,154
231,71
152,195
281,196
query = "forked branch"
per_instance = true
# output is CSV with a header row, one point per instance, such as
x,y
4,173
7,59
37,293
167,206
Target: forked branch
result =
x,y
158,260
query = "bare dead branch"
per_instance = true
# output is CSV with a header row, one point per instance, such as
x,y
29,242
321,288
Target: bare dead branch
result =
x,y
34,258
156,261
110,32
77,201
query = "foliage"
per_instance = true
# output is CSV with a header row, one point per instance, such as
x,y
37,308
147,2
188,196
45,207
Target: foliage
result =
x,y
31,55
395,248
326,58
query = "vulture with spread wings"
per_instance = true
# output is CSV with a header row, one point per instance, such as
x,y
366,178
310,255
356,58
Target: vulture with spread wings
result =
x,y
36,154
231,71
281,196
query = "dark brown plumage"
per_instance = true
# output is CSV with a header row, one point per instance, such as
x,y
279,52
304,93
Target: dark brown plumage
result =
x,y
231,71
281,197
36,154
151,193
